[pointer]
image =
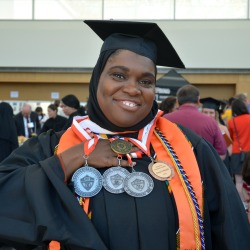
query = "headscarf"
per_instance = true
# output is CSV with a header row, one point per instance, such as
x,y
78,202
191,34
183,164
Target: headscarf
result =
x,y
7,124
94,111
71,101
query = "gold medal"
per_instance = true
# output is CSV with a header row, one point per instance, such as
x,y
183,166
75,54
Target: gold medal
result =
x,y
120,146
161,170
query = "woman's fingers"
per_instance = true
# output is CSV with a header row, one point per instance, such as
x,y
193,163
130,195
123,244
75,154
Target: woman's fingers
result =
x,y
103,156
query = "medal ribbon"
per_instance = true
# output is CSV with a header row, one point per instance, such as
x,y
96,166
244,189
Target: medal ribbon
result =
x,y
79,131
145,134
84,129
90,145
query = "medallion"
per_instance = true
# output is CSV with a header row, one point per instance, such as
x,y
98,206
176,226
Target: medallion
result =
x,y
120,146
87,181
138,184
113,179
161,170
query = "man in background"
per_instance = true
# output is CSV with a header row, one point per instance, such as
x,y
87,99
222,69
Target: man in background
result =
x,y
27,122
189,116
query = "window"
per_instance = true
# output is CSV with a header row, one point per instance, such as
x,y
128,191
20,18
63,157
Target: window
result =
x,y
13,9
211,9
124,9
138,9
68,9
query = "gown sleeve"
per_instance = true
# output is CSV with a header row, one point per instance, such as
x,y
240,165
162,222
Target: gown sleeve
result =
x,y
36,205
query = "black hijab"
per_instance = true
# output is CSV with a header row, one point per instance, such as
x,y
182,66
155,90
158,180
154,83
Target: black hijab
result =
x,y
8,132
7,124
94,110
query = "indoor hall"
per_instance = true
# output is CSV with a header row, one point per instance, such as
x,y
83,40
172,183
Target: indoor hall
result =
x,y
47,52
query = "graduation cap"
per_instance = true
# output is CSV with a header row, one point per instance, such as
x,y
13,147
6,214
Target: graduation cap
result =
x,y
143,38
212,103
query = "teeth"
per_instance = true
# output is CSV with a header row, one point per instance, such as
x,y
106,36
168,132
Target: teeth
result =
x,y
130,104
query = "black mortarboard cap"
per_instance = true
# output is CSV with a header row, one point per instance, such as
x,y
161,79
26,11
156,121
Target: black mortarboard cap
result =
x,y
143,38
212,103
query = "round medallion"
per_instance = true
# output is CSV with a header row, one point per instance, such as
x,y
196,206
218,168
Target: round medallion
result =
x,y
138,184
87,181
161,170
120,146
113,179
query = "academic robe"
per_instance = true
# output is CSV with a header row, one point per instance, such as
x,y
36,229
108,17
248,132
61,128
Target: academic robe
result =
x,y
37,206
56,124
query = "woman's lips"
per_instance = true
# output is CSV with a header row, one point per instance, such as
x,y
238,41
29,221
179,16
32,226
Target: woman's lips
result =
x,y
128,105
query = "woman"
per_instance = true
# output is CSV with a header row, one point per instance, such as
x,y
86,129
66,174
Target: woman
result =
x,y
169,104
213,108
41,116
8,133
239,128
55,121
156,205
71,107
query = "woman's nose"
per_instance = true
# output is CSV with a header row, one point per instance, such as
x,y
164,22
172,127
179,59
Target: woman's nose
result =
x,y
132,87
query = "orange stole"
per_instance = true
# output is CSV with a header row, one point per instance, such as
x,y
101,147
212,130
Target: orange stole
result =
x,y
69,139
182,148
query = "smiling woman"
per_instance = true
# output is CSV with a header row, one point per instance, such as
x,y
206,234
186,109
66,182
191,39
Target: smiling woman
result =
x,y
122,177
126,94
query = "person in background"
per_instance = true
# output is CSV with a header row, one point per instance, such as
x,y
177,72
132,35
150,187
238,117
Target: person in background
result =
x,y
57,103
246,184
71,107
239,128
55,121
123,177
222,108
227,114
213,108
189,116
8,133
169,104
27,122
59,109
41,116
243,97
246,197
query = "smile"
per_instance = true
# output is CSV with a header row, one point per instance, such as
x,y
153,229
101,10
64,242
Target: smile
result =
x,y
129,104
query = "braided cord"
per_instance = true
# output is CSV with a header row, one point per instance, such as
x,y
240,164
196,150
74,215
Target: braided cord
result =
x,y
188,189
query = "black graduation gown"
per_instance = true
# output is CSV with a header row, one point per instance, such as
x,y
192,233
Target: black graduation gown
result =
x,y
7,146
54,123
79,112
37,206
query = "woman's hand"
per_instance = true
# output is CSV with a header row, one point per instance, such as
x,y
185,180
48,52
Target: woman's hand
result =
x,y
102,156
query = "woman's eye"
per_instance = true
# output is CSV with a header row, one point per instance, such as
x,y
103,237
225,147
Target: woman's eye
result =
x,y
146,83
118,76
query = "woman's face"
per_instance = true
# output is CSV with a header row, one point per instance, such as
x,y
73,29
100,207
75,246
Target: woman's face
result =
x,y
52,113
176,107
66,109
209,112
126,88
